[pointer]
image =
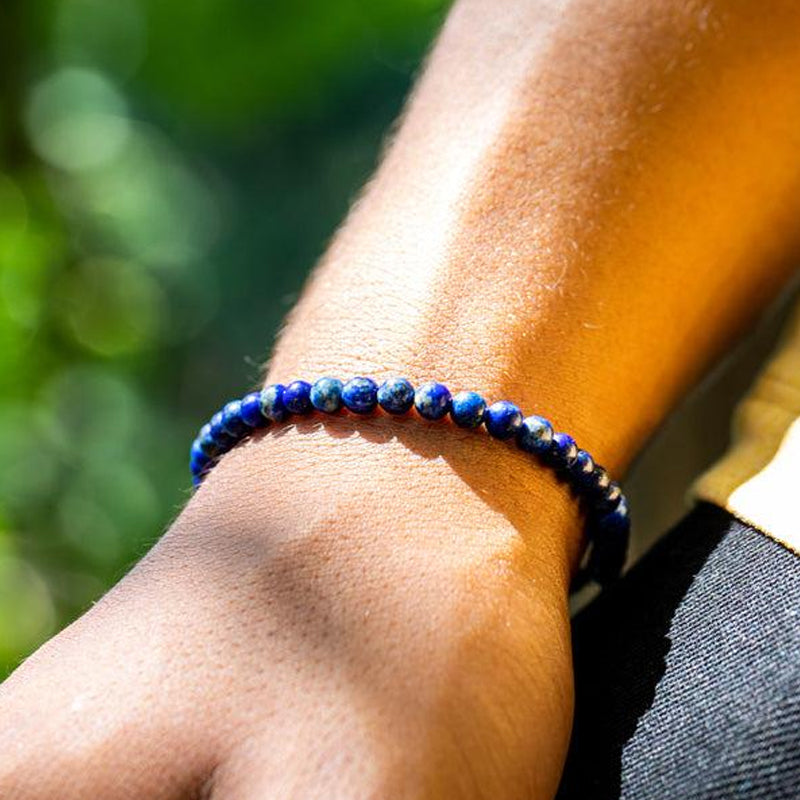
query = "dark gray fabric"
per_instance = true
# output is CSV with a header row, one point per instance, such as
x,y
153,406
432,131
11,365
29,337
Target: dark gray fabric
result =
x,y
688,672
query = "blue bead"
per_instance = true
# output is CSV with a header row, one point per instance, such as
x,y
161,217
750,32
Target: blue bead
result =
x,y
251,410
563,451
432,400
503,419
360,395
535,435
232,420
326,395
272,407
611,497
296,398
467,409
599,483
218,434
199,461
581,470
610,534
206,441
396,396
616,521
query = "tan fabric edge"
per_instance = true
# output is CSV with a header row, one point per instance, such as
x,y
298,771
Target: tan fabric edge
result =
x,y
699,494
758,479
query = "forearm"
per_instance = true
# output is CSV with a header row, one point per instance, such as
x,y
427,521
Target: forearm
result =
x,y
583,204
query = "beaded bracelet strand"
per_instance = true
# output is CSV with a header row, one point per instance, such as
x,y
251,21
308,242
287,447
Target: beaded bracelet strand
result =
x,y
607,517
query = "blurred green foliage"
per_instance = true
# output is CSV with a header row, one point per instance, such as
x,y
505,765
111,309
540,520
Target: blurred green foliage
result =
x,y
169,171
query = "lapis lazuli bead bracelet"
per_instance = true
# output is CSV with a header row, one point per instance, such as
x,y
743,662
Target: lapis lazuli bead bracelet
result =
x,y
608,522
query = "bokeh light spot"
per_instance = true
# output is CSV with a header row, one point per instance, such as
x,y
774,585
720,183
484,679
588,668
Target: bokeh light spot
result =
x,y
89,527
22,589
25,264
125,504
112,307
29,467
150,200
77,119
94,411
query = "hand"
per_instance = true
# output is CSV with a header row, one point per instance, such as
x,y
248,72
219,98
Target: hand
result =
x,y
344,610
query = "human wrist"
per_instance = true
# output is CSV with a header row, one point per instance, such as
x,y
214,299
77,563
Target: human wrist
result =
x,y
457,613
419,478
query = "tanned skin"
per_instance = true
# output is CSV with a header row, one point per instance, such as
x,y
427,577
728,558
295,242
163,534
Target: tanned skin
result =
x,y
583,205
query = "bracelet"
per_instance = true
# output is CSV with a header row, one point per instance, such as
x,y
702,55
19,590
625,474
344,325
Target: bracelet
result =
x,y
607,516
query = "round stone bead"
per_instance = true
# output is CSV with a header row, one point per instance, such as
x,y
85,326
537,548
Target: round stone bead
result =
x,y
581,471
296,399
396,396
467,409
610,497
599,482
607,526
326,395
199,461
232,419
206,441
535,435
218,434
619,519
360,395
563,451
272,407
503,419
432,400
610,536
251,411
